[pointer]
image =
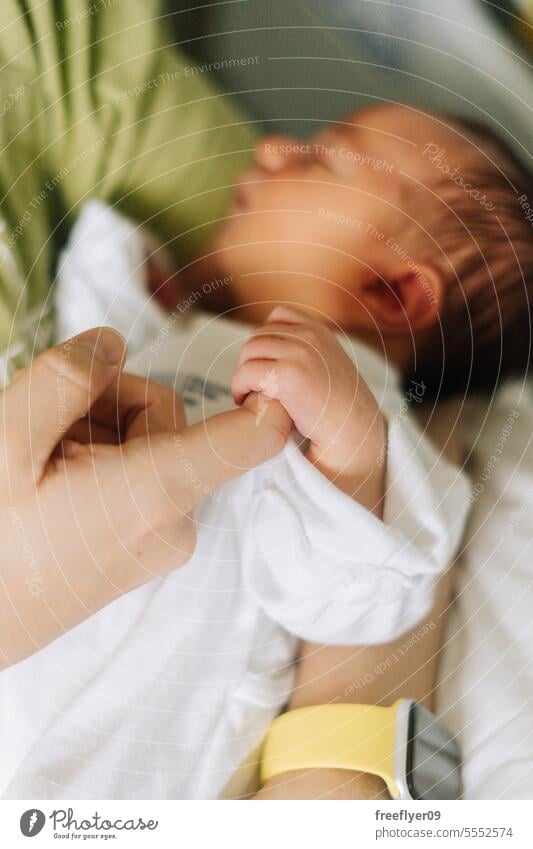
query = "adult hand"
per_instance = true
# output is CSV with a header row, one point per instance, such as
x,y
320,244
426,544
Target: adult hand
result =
x,y
98,478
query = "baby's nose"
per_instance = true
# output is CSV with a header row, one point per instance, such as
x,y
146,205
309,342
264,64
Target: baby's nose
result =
x,y
276,152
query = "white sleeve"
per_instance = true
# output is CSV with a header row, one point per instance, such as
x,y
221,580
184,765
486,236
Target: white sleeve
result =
x,y
328,570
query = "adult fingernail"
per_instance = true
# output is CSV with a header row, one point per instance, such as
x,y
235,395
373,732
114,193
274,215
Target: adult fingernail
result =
x,y
106,344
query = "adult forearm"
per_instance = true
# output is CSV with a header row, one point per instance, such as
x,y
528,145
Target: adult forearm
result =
x,y
378,674
82,522
404,668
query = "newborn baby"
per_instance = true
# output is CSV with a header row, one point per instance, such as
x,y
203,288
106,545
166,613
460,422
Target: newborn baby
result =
x,y
405,229
339,539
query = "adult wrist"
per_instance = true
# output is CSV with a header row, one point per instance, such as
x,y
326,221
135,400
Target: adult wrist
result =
x,y
324,784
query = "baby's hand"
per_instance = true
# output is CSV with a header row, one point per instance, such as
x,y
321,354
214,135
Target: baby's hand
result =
x,y
299,362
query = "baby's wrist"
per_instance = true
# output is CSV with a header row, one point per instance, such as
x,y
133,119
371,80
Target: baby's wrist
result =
x,y
357,470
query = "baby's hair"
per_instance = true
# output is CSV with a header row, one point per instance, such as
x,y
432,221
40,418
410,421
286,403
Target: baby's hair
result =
x,y
482,227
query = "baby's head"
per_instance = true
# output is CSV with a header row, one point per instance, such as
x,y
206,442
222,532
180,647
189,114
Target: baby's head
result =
x,y
409,230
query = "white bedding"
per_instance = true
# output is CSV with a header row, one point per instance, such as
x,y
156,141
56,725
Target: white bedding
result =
x,y
486,687
486,680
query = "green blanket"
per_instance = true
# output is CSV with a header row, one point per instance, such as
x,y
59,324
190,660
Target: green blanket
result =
x,y
95,103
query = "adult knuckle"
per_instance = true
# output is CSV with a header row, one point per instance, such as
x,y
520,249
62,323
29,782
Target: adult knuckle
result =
x,y
57,364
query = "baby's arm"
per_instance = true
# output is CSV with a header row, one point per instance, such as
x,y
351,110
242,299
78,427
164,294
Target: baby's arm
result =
x,y
357,562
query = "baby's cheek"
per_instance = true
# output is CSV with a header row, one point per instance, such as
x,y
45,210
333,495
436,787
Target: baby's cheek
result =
x,y
345,310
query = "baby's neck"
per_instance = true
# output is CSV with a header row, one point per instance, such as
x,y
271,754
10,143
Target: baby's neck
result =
x,y
230,301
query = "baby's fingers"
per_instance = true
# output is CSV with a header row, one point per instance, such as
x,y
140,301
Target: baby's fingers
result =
x,y
312,334
288,315
257,376
265,347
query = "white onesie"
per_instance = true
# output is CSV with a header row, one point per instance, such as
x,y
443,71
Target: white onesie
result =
x,y
167,692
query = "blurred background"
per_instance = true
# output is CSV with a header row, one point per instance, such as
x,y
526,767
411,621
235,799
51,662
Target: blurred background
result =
x,y
317,59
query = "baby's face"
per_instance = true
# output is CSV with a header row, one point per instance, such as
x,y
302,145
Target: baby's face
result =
x,y
310,221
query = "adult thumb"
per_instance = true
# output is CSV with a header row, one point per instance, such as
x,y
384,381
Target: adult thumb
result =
x,y
207,455
54,391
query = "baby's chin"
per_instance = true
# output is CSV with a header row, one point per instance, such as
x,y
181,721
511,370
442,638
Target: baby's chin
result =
x,y
263,277
238,254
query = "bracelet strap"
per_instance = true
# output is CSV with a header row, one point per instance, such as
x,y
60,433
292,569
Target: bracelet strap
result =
x,y
360,738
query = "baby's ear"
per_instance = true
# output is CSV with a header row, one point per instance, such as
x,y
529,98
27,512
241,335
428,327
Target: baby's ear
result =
x,y
409,300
